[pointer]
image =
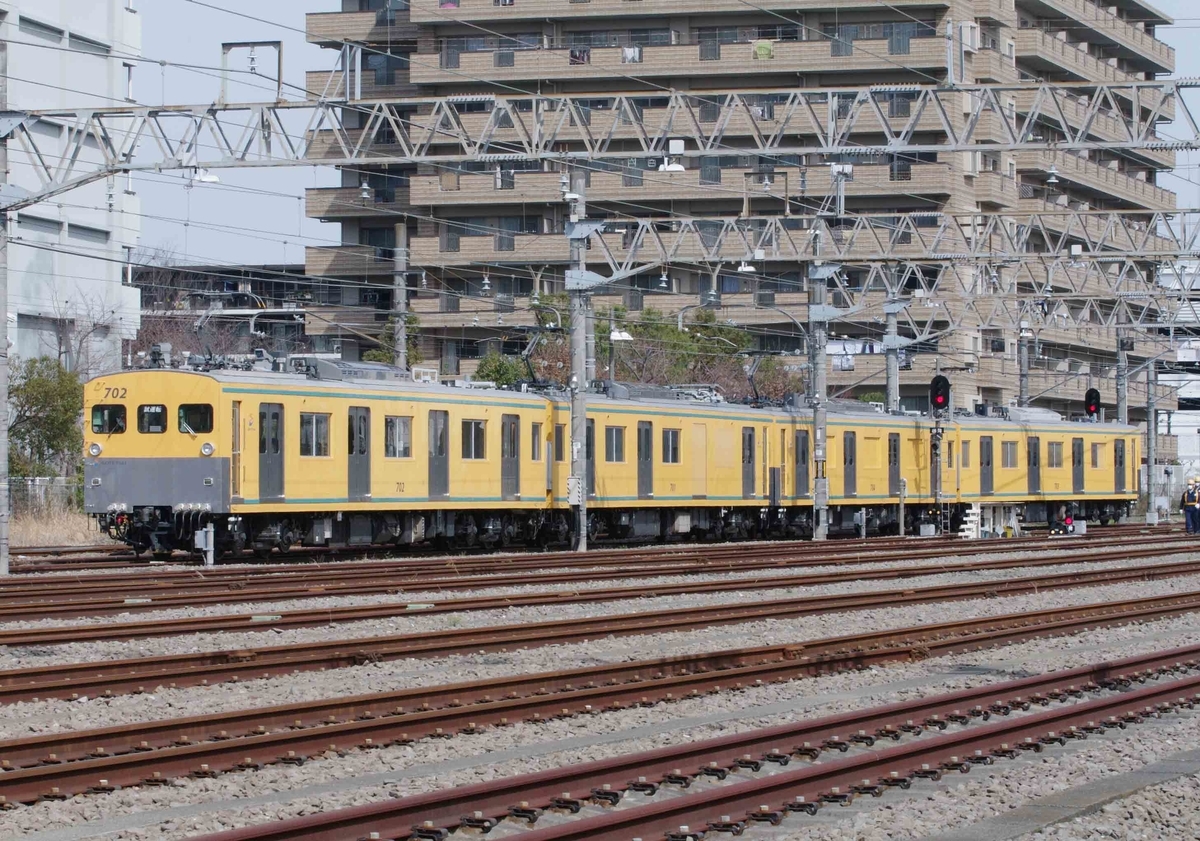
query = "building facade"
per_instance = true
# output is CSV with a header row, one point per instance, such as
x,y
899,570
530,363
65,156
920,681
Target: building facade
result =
x,y
480,237
69,290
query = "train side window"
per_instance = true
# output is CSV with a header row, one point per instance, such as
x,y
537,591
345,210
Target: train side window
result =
x,y
670,446
535,442
1054,454
196,418
276,431
397,435
1008,454
152,419
474,439
965,461
560,442
108,420
314,434
614,444
1097,456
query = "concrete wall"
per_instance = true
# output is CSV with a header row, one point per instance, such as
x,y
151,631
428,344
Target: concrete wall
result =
x,y
66,278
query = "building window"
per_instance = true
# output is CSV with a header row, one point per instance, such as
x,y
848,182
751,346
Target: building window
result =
x,y
86,45
40,30
560,442
670,446
1008,454
397,437
614,444
196,418
965,461
1097,456
152,419
1054,454
535,442
314,434
474,439
108,420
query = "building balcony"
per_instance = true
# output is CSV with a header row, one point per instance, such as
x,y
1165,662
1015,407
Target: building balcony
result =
x,y
746,60
1057,217
470,11
348,260
996,188
456,312
1103,125
1039,51
1111,182
993,66
331,85
340,321
737,185
332,29
1000,11
348,203
1106,27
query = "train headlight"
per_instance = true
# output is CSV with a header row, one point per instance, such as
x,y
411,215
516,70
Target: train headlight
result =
x,y
207,449
95,449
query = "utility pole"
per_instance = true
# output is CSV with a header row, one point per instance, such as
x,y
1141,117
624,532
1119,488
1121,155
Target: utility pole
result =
x,y
400,297
578,231
1122,377
817,368
1023,366
1151,443
612,345
4,478
891,347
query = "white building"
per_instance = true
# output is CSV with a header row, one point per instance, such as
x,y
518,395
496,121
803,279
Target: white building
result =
x,y
67,283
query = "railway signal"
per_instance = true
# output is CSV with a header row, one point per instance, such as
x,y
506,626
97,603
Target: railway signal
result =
x,y
1091,402
939,393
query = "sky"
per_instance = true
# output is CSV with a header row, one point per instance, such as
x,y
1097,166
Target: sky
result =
x,y
257,216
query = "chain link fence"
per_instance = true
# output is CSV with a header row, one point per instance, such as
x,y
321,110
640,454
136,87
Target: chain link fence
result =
x,y
45,495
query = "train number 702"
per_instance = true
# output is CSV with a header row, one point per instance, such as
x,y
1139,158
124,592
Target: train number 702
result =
x,y
115,393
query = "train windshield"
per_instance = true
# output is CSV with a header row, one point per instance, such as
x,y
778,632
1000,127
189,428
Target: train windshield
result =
x,y
108,420
152,419
195,418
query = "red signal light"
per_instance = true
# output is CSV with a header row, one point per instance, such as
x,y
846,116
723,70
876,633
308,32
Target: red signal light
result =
x,y
1069,520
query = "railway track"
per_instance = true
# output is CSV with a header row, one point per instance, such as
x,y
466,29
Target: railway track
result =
x,y
64,764
750,777
777,608
71,599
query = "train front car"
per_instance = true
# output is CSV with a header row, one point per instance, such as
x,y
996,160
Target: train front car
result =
x,y
154,474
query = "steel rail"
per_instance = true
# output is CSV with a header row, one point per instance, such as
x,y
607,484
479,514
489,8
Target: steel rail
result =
x,y
33,683
778,608
568,788
65,602
63,764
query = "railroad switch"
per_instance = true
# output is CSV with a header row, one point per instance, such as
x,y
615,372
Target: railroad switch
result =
x,y
476,820
567,803
715,771
643,786
801,805
836,795
428,832
765,814
606,795
525,812
726,825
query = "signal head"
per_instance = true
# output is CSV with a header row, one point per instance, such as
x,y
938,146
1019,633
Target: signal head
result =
x,y
939,393
1091,402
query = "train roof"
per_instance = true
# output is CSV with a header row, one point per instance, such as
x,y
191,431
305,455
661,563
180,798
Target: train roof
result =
x,y
694,398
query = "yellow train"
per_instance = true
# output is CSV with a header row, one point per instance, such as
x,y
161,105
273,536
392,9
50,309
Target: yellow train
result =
x,y
348,454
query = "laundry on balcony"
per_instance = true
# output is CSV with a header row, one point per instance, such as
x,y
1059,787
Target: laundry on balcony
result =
x,y
764,50
580,55
631,55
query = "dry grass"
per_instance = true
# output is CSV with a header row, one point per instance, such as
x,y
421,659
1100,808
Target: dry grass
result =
x,y
65,528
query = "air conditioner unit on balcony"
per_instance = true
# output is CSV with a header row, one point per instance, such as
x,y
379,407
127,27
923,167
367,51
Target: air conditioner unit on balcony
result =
x,y
968,34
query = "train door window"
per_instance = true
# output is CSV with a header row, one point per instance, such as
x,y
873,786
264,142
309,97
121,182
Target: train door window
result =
x,y
108,420
235,453
1008,454
748,462
1119,465
670,446
439,453
1054,454
589,450
474,440
560,442
196,418
510,456
314,434
986,463
276,429
802,463
1077,465
152,419
893,464
358,464
645,459
1097,456
1035,464
614,444
397,437
535,442
965,461
850,463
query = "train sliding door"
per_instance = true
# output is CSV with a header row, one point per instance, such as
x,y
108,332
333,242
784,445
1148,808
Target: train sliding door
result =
x,y
439,454
802,487
849,464
270,452
1077,465
987,485
510,457
893,464
748,458
358,460
1119,465
645,460
1035,464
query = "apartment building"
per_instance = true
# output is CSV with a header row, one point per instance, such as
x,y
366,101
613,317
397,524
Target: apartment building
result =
x,y
68,290
480,236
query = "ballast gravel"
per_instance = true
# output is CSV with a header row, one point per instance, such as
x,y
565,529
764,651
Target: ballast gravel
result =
x,y
605,735
1166,812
